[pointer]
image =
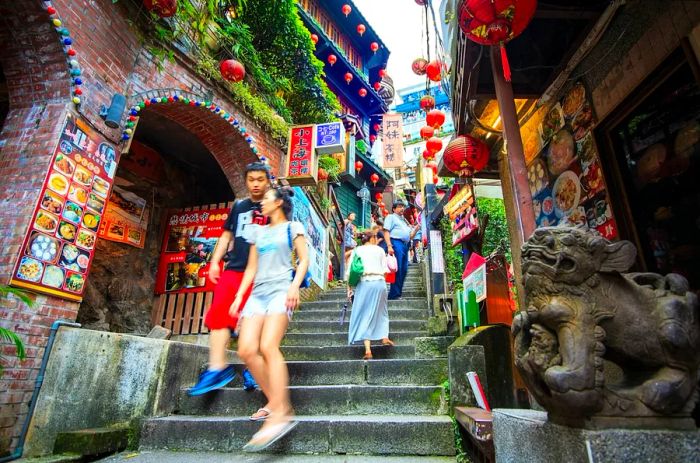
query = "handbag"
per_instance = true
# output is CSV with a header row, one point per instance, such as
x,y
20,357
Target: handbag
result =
x,y
357,268
306,282
392,264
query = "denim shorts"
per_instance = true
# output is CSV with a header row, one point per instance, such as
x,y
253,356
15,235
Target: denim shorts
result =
x,y
267,299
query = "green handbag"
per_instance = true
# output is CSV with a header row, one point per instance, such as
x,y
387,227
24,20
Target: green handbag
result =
x,y
356,270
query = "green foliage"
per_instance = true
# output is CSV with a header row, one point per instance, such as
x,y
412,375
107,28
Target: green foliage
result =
x,y
361,147
452,255
496,235
331,166
8,336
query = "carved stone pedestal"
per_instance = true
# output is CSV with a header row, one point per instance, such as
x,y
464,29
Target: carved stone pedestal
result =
x,y
527,436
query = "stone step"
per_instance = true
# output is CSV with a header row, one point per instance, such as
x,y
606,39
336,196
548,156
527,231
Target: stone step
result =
x,y
160,456
396,372
395,326
337,337
333,314
322,353
335,294
322,400
338,302
326,434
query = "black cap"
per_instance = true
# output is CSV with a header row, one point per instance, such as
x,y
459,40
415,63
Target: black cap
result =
x,y
398,203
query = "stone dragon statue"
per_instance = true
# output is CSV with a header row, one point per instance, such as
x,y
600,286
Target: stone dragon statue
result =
x,y
602,348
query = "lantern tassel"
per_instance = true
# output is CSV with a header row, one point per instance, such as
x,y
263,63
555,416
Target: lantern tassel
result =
x,y
505,63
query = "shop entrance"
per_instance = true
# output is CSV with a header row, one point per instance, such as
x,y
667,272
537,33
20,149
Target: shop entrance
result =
x,y
167,168
654,158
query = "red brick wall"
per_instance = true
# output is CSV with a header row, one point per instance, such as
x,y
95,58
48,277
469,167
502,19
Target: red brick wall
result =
x,y
112,60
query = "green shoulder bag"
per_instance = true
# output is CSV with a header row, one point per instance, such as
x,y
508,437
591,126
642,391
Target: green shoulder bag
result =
x,y
356,270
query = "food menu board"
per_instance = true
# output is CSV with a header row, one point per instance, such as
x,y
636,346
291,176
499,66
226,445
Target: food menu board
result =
x,y
565,178
125,219
316,235
188,245
57,251
462,213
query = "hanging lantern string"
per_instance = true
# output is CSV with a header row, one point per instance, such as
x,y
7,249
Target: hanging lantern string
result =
x,y
439,50
427,41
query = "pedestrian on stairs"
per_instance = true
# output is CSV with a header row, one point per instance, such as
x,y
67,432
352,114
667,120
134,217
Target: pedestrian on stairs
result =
x,y
369,319
398,234
265,317
233,248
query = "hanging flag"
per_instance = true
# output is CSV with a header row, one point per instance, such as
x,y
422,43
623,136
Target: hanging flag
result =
x,y
392,141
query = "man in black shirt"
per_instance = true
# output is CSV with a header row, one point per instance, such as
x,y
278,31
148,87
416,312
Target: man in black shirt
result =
x,y
220,323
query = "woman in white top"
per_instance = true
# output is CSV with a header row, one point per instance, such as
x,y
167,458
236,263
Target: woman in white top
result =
x,y
268,311
369,319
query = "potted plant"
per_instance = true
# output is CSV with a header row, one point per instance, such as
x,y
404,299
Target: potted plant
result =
x,y
9,335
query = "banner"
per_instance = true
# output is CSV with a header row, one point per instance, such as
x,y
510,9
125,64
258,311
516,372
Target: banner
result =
x,y
126,219
462,213
392,141
316,236
58,248
300,166
188,245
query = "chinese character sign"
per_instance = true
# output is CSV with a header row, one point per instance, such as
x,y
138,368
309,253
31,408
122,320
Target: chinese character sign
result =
x,y
330,138
392,146
301,168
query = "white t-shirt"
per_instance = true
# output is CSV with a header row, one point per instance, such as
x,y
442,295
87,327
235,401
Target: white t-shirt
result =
x,y
373,261
274,253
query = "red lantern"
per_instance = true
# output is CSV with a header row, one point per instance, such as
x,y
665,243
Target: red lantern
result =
x,y
232,70
436,180
434,145
432,165
322,174
374,46
163,8
348,77
314,38
434,70
362,92
382,73
377,127
332,59
361,29
374,178
418,66
346,10
435,118
378,197
489,22
427,102
372,138
358,166
466,155
377,86
427,155
385,213
426,132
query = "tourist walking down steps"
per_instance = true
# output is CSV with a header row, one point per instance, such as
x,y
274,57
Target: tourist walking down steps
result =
x,y
369,319
267,313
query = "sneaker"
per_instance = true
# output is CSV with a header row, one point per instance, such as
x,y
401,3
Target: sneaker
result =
x,y
212,380
249,383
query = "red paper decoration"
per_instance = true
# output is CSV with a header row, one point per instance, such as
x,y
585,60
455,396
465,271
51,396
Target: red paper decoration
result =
x,y
434,145
361,29
374,46
362,92
332,59
466,155
374,178
314,38
427,102
418,66
358,166
490,22
435,118
427,132
434,70
347,9
348,77
232,70
163,8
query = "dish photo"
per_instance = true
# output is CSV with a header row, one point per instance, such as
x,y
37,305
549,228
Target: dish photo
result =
x,y
586,150
69,254
91,221
67,231
30,269
552,123
100,186
83,176
77,194
583,122
72,212
58,183
52,202
46,222
83,261
561,152
75,283
537,176
64,164
573,101
95,203
53,276
86,239
566,192
43,247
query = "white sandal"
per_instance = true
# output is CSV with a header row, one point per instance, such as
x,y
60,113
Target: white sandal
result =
x,y
265,410
269,436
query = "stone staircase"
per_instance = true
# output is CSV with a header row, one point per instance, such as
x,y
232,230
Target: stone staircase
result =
x,y
393,405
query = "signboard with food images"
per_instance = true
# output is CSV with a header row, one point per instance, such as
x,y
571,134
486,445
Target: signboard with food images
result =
x,y
125,219
188,245
565,178
462,214
300,166
57,251
316,235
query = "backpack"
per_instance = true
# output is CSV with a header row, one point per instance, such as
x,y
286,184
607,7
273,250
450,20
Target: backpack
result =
x,y
306,282
357,268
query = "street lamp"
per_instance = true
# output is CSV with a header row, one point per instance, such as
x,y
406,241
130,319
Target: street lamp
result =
x,y
363,194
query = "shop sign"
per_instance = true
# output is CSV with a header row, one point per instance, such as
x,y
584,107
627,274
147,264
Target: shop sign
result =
x,y
143,161
392,141
125,219
437,260
188,245
58,248
330,138
316,236
462,214
474,277
301,167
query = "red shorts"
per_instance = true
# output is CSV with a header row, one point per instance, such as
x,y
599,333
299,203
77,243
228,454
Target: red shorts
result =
x,y
217,317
